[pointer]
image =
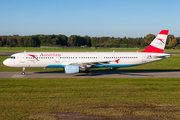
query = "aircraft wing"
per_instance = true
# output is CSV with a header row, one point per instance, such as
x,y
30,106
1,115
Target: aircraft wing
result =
x,y
90,63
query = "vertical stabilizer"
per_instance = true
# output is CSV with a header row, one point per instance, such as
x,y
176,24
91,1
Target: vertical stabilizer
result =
x,y
158,44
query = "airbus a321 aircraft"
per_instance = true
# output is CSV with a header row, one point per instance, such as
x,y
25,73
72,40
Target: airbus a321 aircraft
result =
x,y
73,62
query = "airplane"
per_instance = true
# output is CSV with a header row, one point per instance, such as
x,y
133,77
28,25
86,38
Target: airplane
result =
x,y
74,62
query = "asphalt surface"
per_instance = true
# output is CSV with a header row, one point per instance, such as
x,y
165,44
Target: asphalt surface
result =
x,y
96,74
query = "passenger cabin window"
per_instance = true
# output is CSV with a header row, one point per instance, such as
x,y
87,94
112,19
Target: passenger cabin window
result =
x,y
120,57
39,58
86,57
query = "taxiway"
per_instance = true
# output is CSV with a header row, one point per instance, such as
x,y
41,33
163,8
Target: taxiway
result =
x,y
96,74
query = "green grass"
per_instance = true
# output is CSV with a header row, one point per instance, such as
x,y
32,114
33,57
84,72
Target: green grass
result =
x,y
44,98
172,63
36,49
125,97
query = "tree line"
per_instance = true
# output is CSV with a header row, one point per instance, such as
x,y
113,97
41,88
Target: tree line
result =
x,y
79,41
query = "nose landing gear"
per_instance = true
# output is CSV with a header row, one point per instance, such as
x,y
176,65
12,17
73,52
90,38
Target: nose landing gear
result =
x,y
23,72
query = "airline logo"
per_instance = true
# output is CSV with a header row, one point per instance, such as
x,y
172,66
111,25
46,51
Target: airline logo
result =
x,y
45,55
117,61
158,44
161,40
34,56
50,55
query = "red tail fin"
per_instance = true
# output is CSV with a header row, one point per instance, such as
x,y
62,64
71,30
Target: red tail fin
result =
x,y
158,44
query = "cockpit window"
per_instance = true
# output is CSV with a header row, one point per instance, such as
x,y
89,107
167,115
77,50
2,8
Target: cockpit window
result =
x,y
12,57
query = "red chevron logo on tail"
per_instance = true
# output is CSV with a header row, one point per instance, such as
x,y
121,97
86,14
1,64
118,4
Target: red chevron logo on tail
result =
x,y
160,40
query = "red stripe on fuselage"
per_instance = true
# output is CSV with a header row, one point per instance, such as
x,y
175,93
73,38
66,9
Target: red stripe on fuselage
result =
x,y
153,49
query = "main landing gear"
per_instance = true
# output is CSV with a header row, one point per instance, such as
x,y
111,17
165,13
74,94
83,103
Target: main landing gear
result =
x,y
89,72
23,72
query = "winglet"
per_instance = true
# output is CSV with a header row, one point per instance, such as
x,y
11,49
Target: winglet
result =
x,y
158,44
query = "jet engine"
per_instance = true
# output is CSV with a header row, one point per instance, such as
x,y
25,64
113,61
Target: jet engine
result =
x,y
71,69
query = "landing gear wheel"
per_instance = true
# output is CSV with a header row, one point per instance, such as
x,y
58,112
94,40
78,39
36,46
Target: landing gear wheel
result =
x,y
90,73
23,73
86,71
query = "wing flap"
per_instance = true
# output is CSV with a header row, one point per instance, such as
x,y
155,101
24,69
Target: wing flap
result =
x,y
90,63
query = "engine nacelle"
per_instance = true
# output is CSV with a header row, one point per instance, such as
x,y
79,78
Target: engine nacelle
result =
x,y
71,69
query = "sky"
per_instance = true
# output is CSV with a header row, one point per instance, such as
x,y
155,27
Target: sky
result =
x,y
95,18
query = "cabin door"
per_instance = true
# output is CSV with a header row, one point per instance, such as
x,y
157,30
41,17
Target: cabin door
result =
x,y
99,58
57,59
22,58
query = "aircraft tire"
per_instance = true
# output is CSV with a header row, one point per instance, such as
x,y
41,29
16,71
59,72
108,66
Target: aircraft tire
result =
x,y
86,71
90,73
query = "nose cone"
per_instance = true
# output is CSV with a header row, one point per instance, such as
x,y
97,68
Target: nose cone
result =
x,y
6,63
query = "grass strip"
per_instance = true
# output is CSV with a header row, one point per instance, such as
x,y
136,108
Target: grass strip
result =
x,y
124,97
37,49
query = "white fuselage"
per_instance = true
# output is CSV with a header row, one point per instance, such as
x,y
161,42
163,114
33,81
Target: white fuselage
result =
x,y
73,62
61,59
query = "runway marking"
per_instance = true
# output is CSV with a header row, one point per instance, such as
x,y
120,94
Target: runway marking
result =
x,y
17,76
